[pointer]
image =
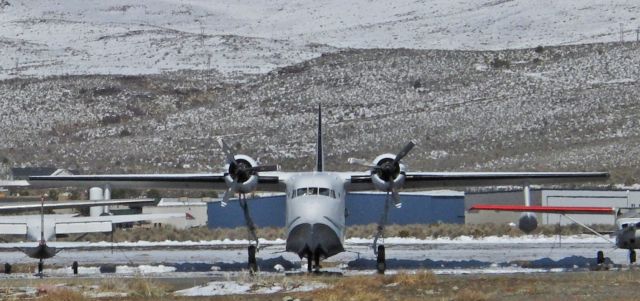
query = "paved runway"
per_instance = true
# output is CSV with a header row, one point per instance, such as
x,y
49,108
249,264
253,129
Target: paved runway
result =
x,y
441,257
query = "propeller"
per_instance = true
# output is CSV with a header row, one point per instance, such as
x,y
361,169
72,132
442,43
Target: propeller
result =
x,y
387,169
240,171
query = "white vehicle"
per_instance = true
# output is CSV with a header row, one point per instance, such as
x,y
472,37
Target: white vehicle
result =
x,y
44,227
315,200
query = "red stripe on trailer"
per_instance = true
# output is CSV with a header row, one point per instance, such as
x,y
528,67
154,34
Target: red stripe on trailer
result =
x,y
544,209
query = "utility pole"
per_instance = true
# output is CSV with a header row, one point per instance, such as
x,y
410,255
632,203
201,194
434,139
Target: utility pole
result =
x,y
621,33
202,36
638,34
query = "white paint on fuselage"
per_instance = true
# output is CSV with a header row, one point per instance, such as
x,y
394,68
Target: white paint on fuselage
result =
x,y
316,209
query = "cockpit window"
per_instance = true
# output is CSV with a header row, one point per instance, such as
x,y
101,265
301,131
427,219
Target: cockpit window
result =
x,y
301,192
325,191
313,191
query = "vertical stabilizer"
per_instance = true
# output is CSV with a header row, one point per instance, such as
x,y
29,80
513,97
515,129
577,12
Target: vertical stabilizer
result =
x,y
320,159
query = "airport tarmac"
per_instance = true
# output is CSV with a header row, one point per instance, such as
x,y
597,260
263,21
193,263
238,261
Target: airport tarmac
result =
x,y
214,259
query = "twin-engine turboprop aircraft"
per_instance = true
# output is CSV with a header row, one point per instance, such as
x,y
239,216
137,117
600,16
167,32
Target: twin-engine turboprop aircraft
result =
x,y
45,227
627,222
315,200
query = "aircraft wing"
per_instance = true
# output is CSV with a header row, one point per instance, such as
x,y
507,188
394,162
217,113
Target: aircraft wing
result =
x,y
464,179
74,204
88,224
212,181
544,209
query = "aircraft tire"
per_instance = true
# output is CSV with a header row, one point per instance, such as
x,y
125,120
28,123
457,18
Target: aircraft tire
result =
x,y
7,268
253,263
40,268
600,257
310,263
74,267
316,261
381,262
632,256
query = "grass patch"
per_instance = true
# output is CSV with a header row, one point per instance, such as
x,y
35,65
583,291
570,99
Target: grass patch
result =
x,y
421,231
62,294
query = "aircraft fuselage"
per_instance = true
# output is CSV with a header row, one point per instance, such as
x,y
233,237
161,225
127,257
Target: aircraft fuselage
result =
x,y
315,214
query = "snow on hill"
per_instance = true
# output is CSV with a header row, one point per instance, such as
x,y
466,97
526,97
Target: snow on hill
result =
x,y
39,37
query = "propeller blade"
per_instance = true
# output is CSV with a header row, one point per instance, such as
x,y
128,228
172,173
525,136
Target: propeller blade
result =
x,y
227,151
396,199
405,150
225,197
261,168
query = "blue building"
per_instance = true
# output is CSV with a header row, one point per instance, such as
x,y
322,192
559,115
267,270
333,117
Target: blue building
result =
x,y
363,208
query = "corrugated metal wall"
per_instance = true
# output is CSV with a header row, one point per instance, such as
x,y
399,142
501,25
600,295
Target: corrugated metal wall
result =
x,y
363,208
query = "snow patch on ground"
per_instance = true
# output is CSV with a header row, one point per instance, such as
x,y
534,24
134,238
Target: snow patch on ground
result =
x,y
234,288
581,238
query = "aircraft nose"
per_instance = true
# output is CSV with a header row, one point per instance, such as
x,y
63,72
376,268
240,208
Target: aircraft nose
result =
x,y
305,239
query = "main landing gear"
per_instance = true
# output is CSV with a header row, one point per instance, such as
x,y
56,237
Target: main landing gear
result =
x,y
253,263
74,267
7,268
381,263
251,227
599,258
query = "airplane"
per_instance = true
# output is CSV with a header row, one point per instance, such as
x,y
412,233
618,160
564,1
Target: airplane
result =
x,y
627,223
315,200
45,227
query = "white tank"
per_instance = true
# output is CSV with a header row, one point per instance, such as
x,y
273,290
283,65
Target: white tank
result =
x,y
96,194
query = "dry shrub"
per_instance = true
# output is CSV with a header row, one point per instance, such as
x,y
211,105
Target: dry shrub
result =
x,y
470,295
112,284
353,288
363,231
62,294
146,287
421,279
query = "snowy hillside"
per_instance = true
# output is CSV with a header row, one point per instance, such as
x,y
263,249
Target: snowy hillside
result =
x,y
41,37
548,108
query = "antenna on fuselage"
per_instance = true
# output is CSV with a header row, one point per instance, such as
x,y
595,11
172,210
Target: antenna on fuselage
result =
x,y
320,159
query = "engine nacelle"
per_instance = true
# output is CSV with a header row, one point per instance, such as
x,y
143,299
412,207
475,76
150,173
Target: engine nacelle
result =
x,y
238,177
388,177
528,222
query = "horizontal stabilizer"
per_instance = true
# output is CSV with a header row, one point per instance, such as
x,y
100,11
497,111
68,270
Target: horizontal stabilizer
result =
x,y
13,229
544,209
83,227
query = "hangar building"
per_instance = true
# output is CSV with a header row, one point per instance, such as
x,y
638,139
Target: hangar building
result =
x,y
362,208
194,208
550,197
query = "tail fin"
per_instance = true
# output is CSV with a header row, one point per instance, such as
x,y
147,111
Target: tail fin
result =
x,y
320,159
